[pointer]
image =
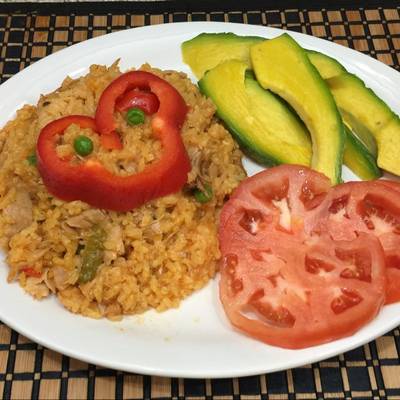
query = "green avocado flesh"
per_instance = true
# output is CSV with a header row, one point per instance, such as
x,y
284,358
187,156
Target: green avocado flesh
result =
x,y
283,67
359,155
327,66
207,50
370,118
261,123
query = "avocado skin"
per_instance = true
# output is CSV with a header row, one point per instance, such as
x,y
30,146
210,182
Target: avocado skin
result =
x,y
327,66
357,157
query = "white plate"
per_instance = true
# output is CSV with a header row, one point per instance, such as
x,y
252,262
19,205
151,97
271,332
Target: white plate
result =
x,y
196,339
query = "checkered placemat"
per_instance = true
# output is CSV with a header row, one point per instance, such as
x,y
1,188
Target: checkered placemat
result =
x,y
28,33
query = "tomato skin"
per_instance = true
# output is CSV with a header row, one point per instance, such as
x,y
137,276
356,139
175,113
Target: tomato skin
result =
x,y
284,280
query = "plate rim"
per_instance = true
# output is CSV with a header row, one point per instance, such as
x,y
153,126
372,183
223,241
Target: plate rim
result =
x,y
170,27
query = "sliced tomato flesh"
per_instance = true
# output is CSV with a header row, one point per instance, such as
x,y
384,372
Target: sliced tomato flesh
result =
x,y
373,208
284,279
346,300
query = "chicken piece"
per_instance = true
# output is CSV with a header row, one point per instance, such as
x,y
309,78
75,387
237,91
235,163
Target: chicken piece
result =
x,y
19,214
86,219
114,244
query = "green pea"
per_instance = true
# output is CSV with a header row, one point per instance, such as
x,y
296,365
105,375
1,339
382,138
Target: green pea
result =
x,y
32,159
83,145
135,116
203,196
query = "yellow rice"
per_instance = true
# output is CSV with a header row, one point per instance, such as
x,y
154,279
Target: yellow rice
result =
x,y
155,255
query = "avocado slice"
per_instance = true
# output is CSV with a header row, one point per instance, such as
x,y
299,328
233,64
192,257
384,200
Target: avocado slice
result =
x,y
360,131
283,67
207,50
327,66
358,158
262,124
370,118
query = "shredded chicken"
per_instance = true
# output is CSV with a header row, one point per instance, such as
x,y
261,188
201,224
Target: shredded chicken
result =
x,y
60,278
195,160
19,213
114,244
36,288
63,278
86,219
48,281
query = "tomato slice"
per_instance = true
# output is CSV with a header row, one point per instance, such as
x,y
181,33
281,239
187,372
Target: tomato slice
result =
x,y
395,185
373,208
284,280
289,193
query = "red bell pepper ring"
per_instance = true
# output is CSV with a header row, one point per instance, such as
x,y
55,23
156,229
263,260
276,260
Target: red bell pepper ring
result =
x,y
172,110
90,181
62,179
146,101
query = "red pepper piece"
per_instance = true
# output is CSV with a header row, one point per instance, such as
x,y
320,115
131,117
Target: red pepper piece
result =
x,y
146,101
29,271
111,142
62,179
90,181
172,109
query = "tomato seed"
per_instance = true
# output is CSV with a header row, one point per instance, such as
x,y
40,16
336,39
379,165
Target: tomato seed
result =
x,y
257,255
309,197
276,191
230,264
349,298
231,260
274,280
257,295
338,204
237,286
279,316
314,265
251,220
392,261
359,273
